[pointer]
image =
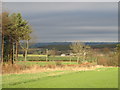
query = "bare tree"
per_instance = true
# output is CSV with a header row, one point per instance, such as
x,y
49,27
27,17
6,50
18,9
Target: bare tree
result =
x,y
52,52
80,50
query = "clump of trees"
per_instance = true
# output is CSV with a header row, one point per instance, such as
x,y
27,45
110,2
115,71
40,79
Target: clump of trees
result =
x,y
80,50
52,52
118,54
118,48
109,57
13,29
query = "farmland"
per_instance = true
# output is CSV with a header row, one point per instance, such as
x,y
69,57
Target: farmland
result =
x,y
97,70
55,71
106,77
35,57
58,47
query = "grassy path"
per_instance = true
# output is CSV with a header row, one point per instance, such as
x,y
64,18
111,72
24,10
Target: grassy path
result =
x,y
99,78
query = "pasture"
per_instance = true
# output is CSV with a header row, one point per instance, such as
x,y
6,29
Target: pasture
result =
x,y
59,72
35,57
106,77
44,63
56,61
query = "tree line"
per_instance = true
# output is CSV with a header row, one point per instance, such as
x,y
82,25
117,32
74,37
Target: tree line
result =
x,y
13,29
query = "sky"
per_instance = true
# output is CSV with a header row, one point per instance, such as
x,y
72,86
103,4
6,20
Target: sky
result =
x,y
69,21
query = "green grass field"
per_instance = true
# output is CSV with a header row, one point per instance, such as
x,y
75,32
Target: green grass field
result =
x,y
31,57
30,63
50,58
99,78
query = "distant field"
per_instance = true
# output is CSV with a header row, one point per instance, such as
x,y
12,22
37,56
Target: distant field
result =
x,y
32,57
99,78
41,63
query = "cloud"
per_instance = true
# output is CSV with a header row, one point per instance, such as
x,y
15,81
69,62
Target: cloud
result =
x,y
45,7
70,21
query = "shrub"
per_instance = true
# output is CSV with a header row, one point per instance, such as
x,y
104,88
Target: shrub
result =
x,y
50,66
9,68
111,60
58,63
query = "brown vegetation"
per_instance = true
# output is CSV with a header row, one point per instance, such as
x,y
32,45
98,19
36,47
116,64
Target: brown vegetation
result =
x,y
111,60
17,69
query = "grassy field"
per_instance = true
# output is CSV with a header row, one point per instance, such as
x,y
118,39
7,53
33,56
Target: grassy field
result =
x,y
31,57
99,78
50,58
41,63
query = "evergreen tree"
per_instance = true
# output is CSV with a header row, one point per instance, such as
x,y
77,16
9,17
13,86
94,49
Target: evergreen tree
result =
x,y
14,29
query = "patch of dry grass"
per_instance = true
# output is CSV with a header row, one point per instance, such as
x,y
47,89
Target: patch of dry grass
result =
x,y
20,69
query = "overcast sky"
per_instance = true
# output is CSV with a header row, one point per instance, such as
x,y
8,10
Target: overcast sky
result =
x,y
69,21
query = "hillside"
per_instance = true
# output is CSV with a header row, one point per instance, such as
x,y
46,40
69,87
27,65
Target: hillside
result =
x,y
65,45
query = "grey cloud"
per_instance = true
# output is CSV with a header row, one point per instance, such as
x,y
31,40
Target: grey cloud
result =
x,y
79,37
76,18
70,21
59,6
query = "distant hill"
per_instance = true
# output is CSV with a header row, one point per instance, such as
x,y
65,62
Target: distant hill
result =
x,y
65,45
36,45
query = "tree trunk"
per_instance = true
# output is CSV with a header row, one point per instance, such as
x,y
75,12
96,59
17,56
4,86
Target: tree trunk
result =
x,y
16,51
26,50
70,58
78,59
84,56
2,51
11,51
46,58
25,54
47,55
